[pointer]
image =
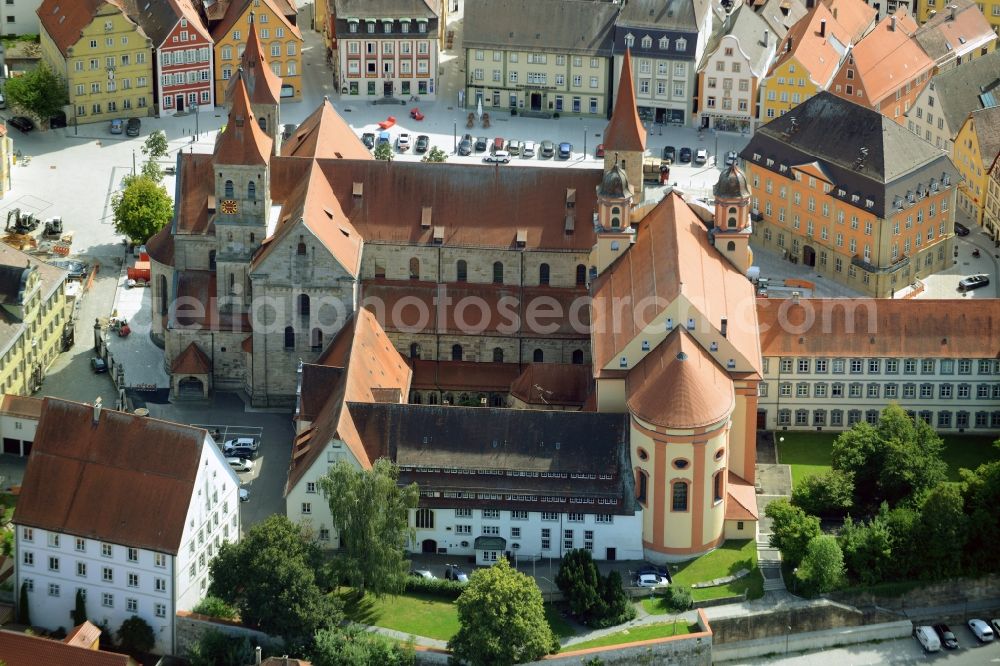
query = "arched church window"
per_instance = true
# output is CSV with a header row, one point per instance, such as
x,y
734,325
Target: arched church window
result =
x,y
730,246
252,191
228,189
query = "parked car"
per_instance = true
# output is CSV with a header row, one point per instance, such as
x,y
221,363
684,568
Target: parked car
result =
x,y
548,149
423,143
654,570
700,156
117,126
3,101
57,121
98,365
132,127
21,123
973,282
565,150
982,630
77,269
240,464
498,144
669,153
465,147
368,138
383,137
685,155
403,142
244,495
961,229
651,580
731,158
514,147
454,572
248,442
599,151
927,639
499,157
528,149
947,637
996,625
422,573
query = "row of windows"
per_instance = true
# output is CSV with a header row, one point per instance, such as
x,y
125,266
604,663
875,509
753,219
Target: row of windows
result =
x,y
291,69
107,573
945,418
185,57
891,366
879,390
680,489
680,44
81,545
542,78
388,48
462,271
184,78
388,25
494,514
107,598
290,47
97,109
536,58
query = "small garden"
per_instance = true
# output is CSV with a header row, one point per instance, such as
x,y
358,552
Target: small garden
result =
x,y
640,633
726,560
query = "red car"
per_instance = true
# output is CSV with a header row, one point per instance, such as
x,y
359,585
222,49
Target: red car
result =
x,y
600,150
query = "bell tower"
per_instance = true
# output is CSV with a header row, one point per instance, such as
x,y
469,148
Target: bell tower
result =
x,y
731,233
612,220
625,137
263,87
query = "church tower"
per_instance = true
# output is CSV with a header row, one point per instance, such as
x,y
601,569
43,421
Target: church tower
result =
x,y
731,235
242,199
625,137
263,87
612,221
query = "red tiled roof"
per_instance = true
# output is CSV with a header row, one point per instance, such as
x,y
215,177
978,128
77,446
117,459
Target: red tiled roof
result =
x,y
741,499
24,650
263,85
679,385
242,141
65,21
854,16
191,361
197,189
888,57
819,55
126,480
22,406
561,384
236,9
625,130
324,134
161,246
917,328
463,375
85,635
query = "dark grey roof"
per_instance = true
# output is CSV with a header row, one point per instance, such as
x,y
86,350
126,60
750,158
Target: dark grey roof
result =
x,y
780,15
987,122
748,29
156,17
958,90
576,26
732,184
666,14
13,280
413,9
865,153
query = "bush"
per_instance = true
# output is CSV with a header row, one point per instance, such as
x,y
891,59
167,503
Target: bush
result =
x,y
555,115
827,494
437,587
135,635
675,598
822,568
215,607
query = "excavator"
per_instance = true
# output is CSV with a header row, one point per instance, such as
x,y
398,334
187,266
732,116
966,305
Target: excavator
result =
x,y
20,223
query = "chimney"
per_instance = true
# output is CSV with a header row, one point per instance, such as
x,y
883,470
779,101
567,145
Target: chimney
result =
x,y
822,28
725,326
256,655
795,296
951,12
766,34
788,45
834,13
810,4
892,23
97,411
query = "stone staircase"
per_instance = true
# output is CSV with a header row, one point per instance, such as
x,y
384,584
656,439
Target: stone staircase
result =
x,y
769,561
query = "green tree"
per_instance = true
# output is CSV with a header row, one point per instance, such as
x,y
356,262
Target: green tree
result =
x,y
791,530
822,568
216,607
270,578
80,609
867,549
135,635
981,495
894,461
618,605
501,619
944,528
903,524
827,494
580,583
383,151
215,648
155,145
354,646
41,92
435,154
23,616
372,515
141,209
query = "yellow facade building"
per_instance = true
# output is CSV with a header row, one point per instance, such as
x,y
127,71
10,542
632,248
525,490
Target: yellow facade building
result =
x,y
6,158
32,319
279,36
991,216
105,58
974,152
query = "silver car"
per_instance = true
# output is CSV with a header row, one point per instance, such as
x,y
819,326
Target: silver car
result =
x,y
240,465
528,149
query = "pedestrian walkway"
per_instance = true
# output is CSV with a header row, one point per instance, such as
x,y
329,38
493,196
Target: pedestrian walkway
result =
x,y
142,360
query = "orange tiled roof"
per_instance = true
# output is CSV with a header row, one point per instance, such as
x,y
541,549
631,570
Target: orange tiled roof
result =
x,y
741,499
324,134
263,85
889,57
625,130
84,635
463,375
819,55
243,141
65,21
23,650
854,16
191,361
679,385
236,10
554,384
22,406
918,328
161,246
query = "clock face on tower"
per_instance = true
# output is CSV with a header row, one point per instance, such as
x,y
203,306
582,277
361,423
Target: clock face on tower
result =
x,y
230,207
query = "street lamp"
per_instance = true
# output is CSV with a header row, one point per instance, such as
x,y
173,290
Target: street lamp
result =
x,y
795,579
716,146
584,143
787,633
454,136
197,129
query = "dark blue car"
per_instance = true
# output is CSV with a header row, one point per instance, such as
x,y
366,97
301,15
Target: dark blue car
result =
x,y
565,149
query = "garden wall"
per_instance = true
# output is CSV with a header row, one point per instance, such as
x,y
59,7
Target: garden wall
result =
x,y
189,628
800,618
942,593
813,640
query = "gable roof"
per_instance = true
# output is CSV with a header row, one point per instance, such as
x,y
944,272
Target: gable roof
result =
x,y
65,21
919,328
987,124
748,29
22,406
741,498
158,19
569,26
242,141
195,190
126,480
412,9
314,205
962,90
625,131
191,361
659,14
854,16
325,134
957,29
472,376
83,635
236,9
679,385
563,384
263,85
25,650
672,257
819,55
889,56
780,15
315,388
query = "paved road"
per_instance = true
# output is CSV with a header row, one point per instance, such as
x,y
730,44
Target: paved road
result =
x,y
901,651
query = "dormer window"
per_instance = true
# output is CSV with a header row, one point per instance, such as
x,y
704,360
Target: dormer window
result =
x,y
691,324
623,362
681,44
731,364
664,43
713,347
630,40
670,324
647,42
645,345
387,27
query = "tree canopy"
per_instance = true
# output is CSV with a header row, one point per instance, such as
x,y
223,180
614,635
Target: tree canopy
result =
x,y
501,619
943,529
435,154
791,529
830,493
354,646
269,576
141,209
40,91
371,513
383,151
981,492
135,635
822,567
595,600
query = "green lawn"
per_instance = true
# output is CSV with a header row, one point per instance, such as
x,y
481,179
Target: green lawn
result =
x,y
723,561
640,633
424,615
808,453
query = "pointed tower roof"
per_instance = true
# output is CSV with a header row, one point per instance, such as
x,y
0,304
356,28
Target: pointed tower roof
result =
x,y
263,85
243,141
625,131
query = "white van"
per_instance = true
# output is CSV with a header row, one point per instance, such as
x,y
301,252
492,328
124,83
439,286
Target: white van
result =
x,y
928,639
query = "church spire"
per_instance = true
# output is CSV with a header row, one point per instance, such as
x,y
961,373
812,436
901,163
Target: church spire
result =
x,y
242,141
263,85
625,131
